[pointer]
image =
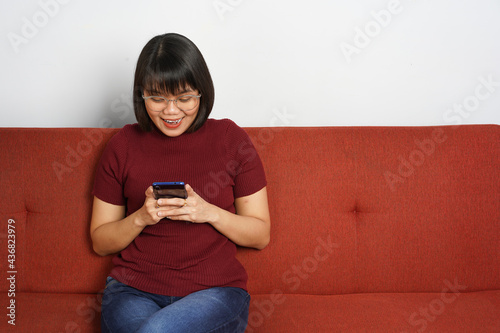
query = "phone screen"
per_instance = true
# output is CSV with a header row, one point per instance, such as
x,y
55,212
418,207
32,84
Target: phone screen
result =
x,y
169,190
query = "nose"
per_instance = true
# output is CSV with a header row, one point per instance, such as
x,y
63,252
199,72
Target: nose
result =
x,y
171,107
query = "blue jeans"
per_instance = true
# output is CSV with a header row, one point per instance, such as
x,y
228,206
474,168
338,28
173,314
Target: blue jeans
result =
x,y
126,309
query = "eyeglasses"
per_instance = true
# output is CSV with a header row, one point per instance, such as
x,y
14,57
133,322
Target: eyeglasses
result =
x,y
183,103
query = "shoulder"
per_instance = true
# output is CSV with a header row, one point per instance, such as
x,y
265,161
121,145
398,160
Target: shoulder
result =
x,y
131,130
119,143
126,133
227,127
237,143
220,124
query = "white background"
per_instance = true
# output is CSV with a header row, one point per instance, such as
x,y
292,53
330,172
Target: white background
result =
x,y
70,63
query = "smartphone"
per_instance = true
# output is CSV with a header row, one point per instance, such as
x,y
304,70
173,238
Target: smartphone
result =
x,y
169,190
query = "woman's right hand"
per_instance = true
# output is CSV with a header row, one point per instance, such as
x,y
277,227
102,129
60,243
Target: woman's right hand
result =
x,y
148,214
112,231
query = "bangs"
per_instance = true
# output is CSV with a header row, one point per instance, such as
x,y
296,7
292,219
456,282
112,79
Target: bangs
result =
x,y
167,77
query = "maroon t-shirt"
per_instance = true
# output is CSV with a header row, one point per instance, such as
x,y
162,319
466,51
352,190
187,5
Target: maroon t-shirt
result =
x,y
177,258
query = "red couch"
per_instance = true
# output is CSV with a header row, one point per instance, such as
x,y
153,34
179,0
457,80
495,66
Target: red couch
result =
x,y
374,229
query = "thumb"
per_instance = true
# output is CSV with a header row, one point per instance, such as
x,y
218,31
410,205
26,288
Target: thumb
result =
x,y
190,190
149,192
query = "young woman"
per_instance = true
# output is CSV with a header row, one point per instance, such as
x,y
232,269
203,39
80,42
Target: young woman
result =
x,y
174,267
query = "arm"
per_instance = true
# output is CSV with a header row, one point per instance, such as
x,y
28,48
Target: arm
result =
x,y
249,227
111,231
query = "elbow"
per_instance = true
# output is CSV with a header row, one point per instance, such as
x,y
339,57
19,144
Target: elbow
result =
x,y
266,238
261,246
264,243
102,253
99,251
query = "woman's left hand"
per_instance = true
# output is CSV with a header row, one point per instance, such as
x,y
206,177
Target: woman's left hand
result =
x,y
193,209
250,227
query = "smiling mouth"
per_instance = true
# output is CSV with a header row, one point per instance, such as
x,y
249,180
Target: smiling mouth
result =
x,y
172,122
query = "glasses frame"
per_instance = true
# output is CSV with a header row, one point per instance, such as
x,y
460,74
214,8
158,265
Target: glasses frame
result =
x,y
173,100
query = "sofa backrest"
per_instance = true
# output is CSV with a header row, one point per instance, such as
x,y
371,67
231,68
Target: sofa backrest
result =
x,y
354,209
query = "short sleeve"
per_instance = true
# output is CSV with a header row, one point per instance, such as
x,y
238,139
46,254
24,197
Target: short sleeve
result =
x,y
244,162
109,182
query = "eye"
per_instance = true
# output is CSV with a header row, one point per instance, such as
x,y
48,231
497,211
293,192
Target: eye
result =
x,y
157,99
185,99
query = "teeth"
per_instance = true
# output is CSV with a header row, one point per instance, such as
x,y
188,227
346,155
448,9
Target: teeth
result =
x,y
173,122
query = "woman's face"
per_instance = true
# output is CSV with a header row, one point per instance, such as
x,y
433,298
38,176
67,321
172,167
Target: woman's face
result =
x,y
167,116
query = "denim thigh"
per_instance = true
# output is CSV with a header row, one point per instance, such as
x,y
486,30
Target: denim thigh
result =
x,y
215,310
219,309
125,309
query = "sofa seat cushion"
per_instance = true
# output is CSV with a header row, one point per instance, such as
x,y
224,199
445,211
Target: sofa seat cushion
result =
x,y
47,312
402,312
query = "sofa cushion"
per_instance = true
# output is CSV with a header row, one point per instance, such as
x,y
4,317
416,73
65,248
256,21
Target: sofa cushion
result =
x,y
404,208
54,312
369,227
388,312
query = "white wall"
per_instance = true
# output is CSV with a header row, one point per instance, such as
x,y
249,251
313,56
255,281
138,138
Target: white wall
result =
x,y
69,63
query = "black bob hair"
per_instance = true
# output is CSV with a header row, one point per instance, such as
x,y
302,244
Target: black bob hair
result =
x,y
169,64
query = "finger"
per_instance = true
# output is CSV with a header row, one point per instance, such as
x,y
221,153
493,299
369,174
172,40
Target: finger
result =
x,y
149,191
182,217
190,191
173,202
172,210
153,213
176,211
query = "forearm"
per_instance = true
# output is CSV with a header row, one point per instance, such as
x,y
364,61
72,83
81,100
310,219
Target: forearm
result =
x,y
243,230
250,227
113,237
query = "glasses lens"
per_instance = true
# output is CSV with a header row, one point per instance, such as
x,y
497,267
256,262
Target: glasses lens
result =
x,y
156,103
186,103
